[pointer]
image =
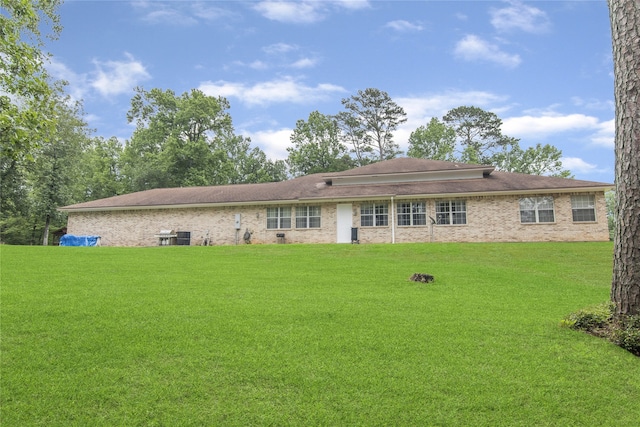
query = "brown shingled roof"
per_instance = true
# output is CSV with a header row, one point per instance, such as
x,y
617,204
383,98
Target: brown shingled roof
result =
x,y
316,187
407,165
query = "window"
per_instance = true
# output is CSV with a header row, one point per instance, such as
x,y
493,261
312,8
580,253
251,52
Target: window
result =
x,y
278,218
536,209
414,213
451,212
583,208
308,217
374,215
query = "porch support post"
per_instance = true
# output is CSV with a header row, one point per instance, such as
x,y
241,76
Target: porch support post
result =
x,y
393,223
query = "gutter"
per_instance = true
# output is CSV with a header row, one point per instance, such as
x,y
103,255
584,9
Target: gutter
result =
x,y
178,206
462,194
342,199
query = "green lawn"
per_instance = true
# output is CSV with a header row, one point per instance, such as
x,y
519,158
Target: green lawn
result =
x,y
307,335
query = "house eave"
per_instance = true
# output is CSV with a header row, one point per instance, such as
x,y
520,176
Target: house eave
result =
x,y
342,199
177,206
460,194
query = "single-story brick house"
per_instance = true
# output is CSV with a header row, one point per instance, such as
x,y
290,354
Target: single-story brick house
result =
x,y
394,201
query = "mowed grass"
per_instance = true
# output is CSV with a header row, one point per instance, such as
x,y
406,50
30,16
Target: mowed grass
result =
x,y
309,335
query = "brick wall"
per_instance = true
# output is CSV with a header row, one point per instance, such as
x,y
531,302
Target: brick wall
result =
x,y
489,218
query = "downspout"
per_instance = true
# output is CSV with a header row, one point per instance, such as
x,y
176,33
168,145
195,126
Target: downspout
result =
x,y
393,223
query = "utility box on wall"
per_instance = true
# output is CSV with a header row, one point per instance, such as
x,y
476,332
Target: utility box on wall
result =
x,y
237,222
183,238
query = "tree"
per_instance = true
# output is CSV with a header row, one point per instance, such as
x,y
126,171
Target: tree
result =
x,y
351,133
368,124
625,286
480,140
478,133
101,175
175,140
187,140
435,141
35,183
142,163
317,147
26,108
242,164
57,164
14,200
274,170
538,160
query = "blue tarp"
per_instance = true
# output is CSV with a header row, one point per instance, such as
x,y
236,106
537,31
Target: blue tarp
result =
x,y
71,240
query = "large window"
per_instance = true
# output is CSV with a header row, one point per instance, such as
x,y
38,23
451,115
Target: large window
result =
x,y
374,215
308,217
451,212
414,213
536,209
583,207
278,218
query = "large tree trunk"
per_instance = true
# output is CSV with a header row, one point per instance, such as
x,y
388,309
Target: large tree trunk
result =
x,y
625,29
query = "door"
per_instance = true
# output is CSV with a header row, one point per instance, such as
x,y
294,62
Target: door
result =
x,y
344,222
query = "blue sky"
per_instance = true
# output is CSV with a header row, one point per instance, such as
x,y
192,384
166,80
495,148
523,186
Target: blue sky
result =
x,y
544,67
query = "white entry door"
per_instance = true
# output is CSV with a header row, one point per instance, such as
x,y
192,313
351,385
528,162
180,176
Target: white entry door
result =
x,y
344,222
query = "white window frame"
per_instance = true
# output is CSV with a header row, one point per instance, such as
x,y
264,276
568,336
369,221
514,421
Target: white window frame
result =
x,y
583,208
411,214
451,212
536,210
376,214
308,216
278,217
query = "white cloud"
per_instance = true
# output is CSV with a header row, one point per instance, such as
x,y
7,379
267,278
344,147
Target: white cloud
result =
x,y
291,12
305,11
422,108
279,48
207,12
223,88
169,16
593,131
179,14
274,143
280,51
605,134
473,48
284,90
403,26
577,165
518,16
540,126
259,65
352,4
593,104
117,77
304,63
109,78
77,83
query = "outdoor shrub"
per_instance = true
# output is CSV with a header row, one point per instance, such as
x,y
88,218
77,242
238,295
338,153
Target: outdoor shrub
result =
x,y
627,335
632,321
590,318
600,321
